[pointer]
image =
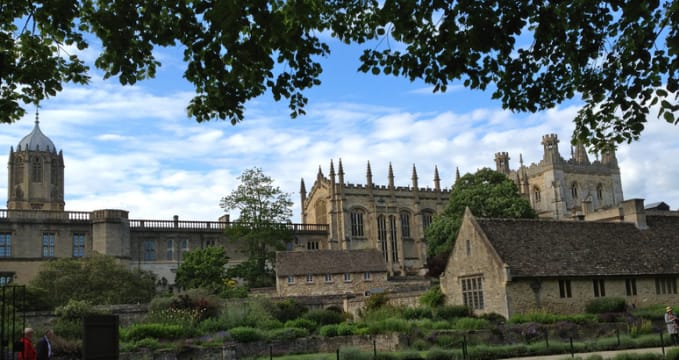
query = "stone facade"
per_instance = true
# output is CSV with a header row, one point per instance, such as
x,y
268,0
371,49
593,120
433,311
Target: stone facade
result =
x,y
510,267
565,189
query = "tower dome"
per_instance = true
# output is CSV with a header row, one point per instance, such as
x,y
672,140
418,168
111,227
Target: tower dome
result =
x,y
36,141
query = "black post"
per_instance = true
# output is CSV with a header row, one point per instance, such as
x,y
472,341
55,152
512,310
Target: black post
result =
x,y
546,332
338,354
662,345
572,349
3,319
374,349
270,352
617,335
464,347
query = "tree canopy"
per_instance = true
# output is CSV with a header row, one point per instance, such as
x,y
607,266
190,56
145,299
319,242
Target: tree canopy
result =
x,y
487,193
203,268
97,279
619,57
265,212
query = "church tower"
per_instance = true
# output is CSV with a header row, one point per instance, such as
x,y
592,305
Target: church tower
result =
x,y
36,174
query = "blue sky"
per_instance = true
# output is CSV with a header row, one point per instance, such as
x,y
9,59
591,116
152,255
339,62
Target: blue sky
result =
x,y
134,148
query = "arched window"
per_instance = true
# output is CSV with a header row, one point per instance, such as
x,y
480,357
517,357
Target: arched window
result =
x,y
37,170
574,190
357,223
321,214
393,238
600,192
382,235
427,218
405,224
536,194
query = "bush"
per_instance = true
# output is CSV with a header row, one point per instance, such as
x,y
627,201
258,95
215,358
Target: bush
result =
x,y
246,334
74,310
448,312
324,317
288,333
287,310
211,325
345,329
605,305
137,332
468,323
433,297
417,313
375,301
328,330
354,354
301,323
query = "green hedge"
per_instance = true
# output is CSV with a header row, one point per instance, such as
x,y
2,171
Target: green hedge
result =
x,y
140,331
246,334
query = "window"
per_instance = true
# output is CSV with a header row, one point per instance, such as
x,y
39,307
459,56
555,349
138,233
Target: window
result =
x,y
291,279
48,244
427,218
321,213
169,253
347,277
565,289
600,192
184,247
367,276
599,288
472,292
37,170
574,190
382,235
394,241
328,277
357,223
149,250
78,245
211,242
469,247
536,194
312,245
6,278
5,244
665,286
309,279
405,225
631,287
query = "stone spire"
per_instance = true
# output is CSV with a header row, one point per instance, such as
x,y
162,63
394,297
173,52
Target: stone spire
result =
x,y
391,177
302,191
319,175
437,179
340,172
414,178
457,174
369,176
580,155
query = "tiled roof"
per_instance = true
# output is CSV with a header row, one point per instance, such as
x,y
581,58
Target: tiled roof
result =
x,y
329,261
573,248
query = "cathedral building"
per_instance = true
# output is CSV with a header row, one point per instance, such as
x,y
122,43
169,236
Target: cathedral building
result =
x,y
393,219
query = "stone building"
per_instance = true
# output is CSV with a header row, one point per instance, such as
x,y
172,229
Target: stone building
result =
x,y
370,216
35,227
563,189
330,272
512,266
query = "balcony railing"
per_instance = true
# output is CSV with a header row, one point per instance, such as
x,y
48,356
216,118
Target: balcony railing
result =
x,y
187,225
45,215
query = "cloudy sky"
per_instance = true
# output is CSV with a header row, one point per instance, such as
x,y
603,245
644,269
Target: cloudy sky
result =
x,y
134,148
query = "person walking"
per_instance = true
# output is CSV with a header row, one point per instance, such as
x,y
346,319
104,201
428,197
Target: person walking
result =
x,y
27,351
672,327
44,346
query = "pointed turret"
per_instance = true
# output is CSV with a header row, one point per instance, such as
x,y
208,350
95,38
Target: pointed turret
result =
x,y
340,172
414,178
457,174
319,175
437,179
302,191
391,177
369,176
580,155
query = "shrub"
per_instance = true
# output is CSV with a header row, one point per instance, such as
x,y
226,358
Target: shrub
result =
x,y
288,333
246,334
328,330
140,331
447,312
352,353
301,323
439,354
433,297
494,318
640,327
74,310
606,304
287,310
324,317
417,313
345,329
375,301
211,325
468,323
147,343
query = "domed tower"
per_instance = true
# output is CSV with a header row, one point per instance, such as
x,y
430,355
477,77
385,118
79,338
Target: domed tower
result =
x,y
36,174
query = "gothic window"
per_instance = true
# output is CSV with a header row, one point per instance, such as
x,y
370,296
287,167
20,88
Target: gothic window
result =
x,y
169,254
357,223
405,224
427,218
574,190
37,170
5,244
78,245
600,192
472,292
393,238
536,194
321,215
382,234
48,244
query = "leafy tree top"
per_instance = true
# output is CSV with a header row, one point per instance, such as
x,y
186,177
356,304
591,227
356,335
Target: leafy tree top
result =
x,y
619,57
203,268
258,200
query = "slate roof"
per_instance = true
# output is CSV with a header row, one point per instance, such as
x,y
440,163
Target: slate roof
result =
x,y
329,261
543,248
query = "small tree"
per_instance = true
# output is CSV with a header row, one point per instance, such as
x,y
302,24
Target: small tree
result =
x,y
264,213
203,268
487,193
